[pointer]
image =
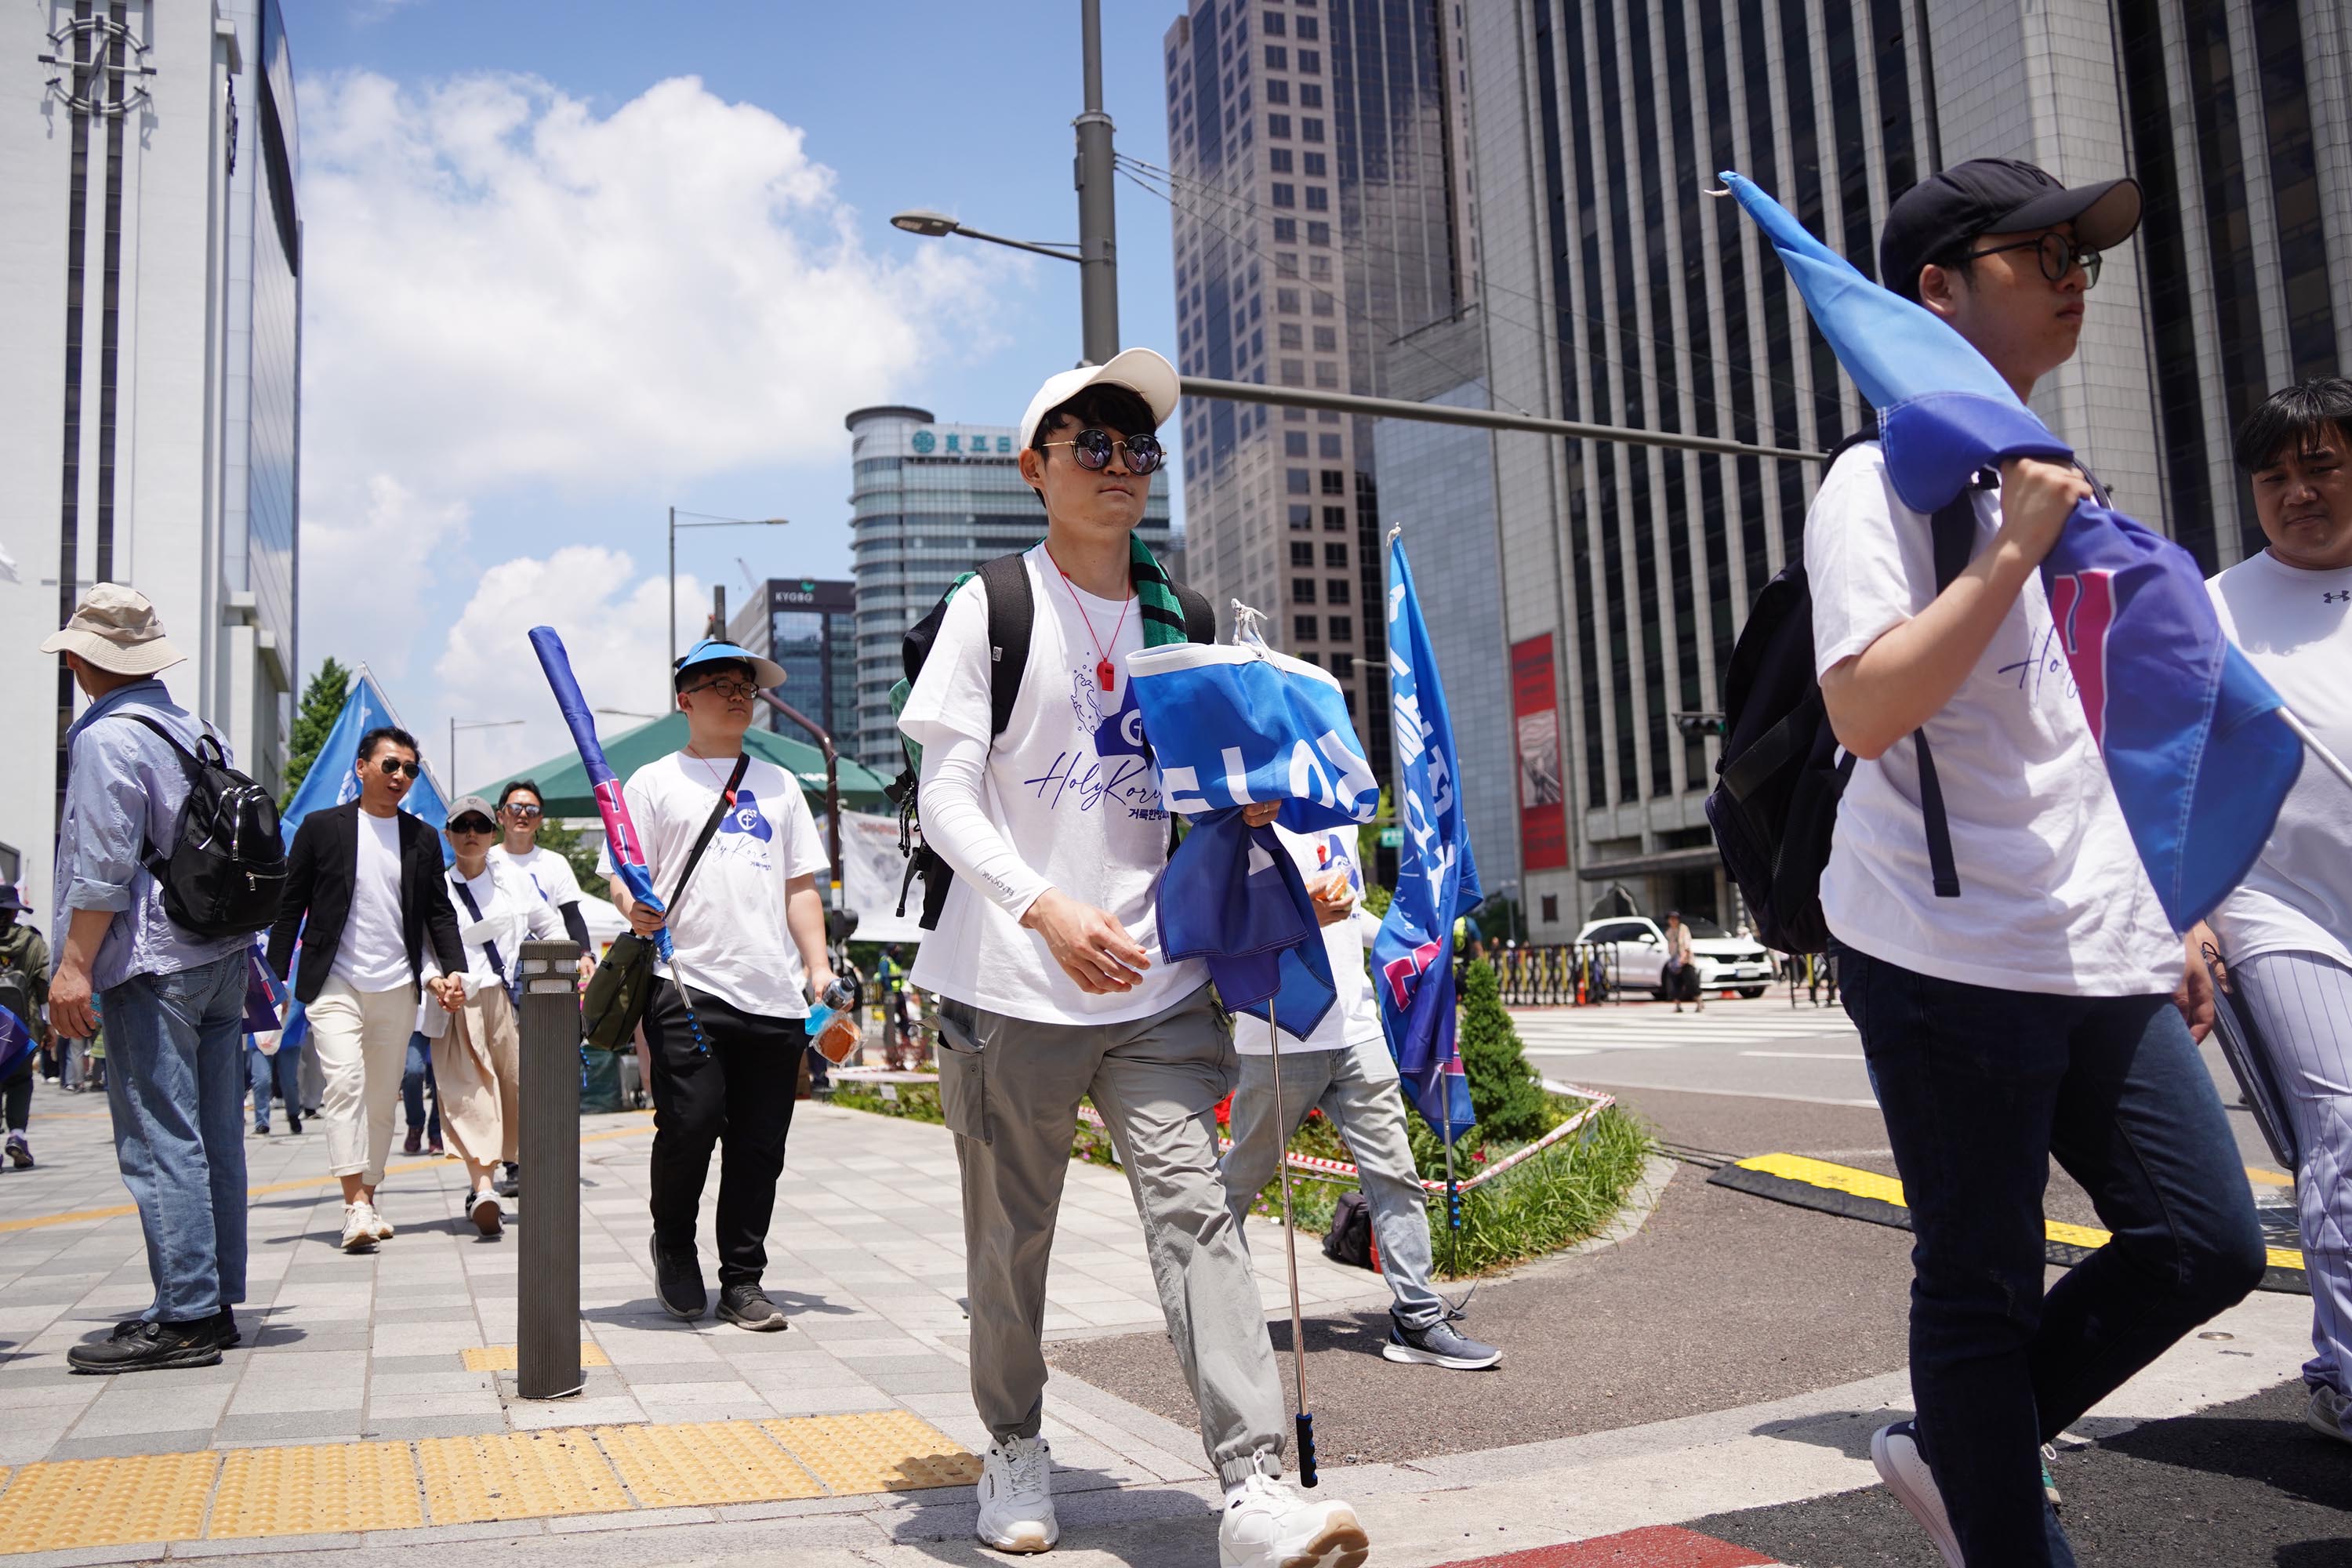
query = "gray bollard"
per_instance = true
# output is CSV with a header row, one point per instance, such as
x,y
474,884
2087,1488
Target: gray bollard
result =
x,y
548,1309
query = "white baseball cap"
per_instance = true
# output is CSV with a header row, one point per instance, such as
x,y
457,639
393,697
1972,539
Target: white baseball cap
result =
x,y
1142,372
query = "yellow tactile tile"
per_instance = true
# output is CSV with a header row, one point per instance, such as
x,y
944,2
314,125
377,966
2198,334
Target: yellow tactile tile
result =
x,y
503,1358
107,1503
312,1490
704,1463
876,1452
517,1475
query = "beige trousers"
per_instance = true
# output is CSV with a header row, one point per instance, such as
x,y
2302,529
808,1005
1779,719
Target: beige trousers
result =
x,y
478,1074
361,1038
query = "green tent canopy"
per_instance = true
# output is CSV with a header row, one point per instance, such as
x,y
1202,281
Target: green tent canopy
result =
x,y
565,782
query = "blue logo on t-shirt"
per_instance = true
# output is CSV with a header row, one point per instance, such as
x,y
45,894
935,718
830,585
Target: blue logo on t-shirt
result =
x,y
746,817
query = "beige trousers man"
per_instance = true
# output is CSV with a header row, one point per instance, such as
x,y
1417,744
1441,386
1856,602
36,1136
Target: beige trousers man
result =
x,y
478,1073
361,1038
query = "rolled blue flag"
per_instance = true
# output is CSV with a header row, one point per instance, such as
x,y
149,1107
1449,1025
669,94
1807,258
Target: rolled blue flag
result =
x,y
2196,748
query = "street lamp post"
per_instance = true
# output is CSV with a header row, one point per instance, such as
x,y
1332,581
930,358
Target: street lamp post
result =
x,y
823,739
457,724
708,521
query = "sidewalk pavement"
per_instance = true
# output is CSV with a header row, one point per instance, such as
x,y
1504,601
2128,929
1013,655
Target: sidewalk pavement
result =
x,y
347,1377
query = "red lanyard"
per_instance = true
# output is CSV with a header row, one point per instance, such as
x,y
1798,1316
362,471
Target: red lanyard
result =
x,y
1104,674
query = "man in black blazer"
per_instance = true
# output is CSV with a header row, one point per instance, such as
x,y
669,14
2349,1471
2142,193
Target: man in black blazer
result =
x,y
364,892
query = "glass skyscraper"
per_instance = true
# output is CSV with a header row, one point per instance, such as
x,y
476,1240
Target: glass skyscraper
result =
x,y
810,627
929,502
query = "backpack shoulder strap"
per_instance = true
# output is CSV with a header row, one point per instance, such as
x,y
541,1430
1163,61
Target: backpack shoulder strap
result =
x,y
1012,616
1200,620
1954,529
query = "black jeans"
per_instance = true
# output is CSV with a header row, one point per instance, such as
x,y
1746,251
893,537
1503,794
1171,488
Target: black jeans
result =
x,y
738,1093
1981,1088
16,1094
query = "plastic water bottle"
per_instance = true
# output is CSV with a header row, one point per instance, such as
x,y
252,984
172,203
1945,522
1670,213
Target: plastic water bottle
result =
x,y
833,1023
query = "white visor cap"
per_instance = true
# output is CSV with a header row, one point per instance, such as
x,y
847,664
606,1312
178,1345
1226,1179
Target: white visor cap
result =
x,y
1142,372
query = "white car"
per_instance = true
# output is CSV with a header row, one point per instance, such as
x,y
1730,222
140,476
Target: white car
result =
x,y
1639,945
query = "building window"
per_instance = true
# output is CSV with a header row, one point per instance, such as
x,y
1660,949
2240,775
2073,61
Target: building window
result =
x,y
1335,557
1335,482
1313,659
1278,125
1285,264
1302,628
1276,91
1311,129
1327,342
1302,590
1326,374
1551,909
1317,165
1318,234
1302,554
1318,268
1286,231
1293,372
1343,665
1296,480
1310,62
1285,194
1335,592
1318,199
1277,58
1335,520
1272,21
1286,299
1327,445
1302,516
1308,29
1293,443
1286,335
1279,160
1342,628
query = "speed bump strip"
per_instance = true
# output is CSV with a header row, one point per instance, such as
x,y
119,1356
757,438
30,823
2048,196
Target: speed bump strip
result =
x,y
503,1358
314,1490
876,1452
1817,1184
107,1503
517,1475
704,1463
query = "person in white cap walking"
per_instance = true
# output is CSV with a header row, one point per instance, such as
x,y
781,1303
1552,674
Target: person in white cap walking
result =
x,y
173,1003
1049,813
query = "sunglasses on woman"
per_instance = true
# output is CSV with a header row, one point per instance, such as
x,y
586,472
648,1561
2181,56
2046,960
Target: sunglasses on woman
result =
x,y
390,766
471,823
2058,254
1092,449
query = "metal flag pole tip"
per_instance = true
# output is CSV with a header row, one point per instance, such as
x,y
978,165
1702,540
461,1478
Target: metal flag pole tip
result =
x,y
2317,748
1305,1420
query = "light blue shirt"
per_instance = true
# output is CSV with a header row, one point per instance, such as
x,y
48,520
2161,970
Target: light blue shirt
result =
x,y
123,790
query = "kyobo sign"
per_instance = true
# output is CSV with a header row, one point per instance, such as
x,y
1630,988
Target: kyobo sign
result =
x,y
927,442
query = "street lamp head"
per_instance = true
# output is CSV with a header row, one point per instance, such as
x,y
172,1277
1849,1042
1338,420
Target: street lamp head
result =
x,y
923,221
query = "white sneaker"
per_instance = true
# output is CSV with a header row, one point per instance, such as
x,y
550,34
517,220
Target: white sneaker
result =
x,y
2329,1414
379,1227
1268,1525
1017,1497
359,1227
1895,1451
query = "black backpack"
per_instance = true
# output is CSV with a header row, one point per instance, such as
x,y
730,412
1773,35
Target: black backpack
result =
x,y
1012,616
1780,774
228,865
1350,1240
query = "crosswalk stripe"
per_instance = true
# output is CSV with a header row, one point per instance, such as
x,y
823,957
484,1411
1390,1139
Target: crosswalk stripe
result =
x,y
1587,1029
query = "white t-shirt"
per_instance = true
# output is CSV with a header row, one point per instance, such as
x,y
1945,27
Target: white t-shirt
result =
x,y
514,912
374,955
1071,790
2295,626
729,926
2052,896
1355,1018
547,871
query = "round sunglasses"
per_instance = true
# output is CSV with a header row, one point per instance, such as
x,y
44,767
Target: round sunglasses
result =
x,y
1092,448
2058,254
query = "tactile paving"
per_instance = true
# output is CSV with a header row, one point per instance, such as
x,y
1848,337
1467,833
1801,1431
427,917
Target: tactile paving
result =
x,y
505,1358
107,1503
517,1475
704,1463
876,1452
313,1491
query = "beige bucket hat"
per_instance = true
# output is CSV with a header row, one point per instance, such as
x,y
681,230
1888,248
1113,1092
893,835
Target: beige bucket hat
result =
x,y
117,629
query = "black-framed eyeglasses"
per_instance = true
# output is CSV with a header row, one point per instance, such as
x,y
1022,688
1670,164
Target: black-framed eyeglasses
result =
x,y
473,823
2058,254
1092,451
390,766
733,690
517,808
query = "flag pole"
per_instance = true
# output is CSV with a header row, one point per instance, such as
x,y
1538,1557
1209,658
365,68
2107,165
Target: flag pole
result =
x,y
1305,1420
1452,1192
2317,748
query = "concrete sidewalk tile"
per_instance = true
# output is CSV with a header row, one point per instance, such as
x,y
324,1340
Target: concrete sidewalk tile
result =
x,y
538,1415
412,1427
271,1431
126,1444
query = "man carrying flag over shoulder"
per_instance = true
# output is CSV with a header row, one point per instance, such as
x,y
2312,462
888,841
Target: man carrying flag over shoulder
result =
x,y
2032,1016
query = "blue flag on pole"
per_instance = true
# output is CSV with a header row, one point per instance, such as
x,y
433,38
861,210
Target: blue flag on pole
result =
x,y
1437,877
331,782
2196,748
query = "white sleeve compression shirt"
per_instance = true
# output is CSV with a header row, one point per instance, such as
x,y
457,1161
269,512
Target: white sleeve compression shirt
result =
x,y
958,828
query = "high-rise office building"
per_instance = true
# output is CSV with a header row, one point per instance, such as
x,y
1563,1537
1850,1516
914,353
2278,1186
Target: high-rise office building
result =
x,y
1322,220
150,417
930,502
1613,290
810,627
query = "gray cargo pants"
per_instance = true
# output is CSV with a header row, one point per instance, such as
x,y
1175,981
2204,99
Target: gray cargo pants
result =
x,y
1011,1089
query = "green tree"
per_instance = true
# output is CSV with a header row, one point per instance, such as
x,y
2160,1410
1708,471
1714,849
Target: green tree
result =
x,y
322,704
1504,1090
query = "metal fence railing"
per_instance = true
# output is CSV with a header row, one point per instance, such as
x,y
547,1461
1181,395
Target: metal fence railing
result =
x,y
1577,974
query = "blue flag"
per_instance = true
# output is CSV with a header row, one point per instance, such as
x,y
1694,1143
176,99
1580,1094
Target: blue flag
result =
x,y
2195,747
331,782
1437,878
1230,726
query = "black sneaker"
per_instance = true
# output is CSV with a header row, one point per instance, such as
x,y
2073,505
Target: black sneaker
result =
x,y
1438,1345
224,1328
746,1306
151,1347
677,1282
507,1184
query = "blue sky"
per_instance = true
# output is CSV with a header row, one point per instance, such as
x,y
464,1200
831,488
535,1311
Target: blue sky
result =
x,y
554,286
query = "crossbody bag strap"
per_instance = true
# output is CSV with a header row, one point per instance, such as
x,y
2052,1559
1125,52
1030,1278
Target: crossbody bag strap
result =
x,y
710,827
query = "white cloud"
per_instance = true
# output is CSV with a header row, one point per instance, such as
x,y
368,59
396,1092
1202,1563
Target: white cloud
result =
x,y
369,546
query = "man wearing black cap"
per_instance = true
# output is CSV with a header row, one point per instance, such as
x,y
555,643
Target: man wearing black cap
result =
x,y
727,1027
2034,1015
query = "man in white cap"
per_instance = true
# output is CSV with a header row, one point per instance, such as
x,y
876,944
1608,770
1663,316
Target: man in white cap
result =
x,y
1049,954
173,1003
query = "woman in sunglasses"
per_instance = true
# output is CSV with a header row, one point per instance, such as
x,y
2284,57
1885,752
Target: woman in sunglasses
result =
x,y
521,810
477,1047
